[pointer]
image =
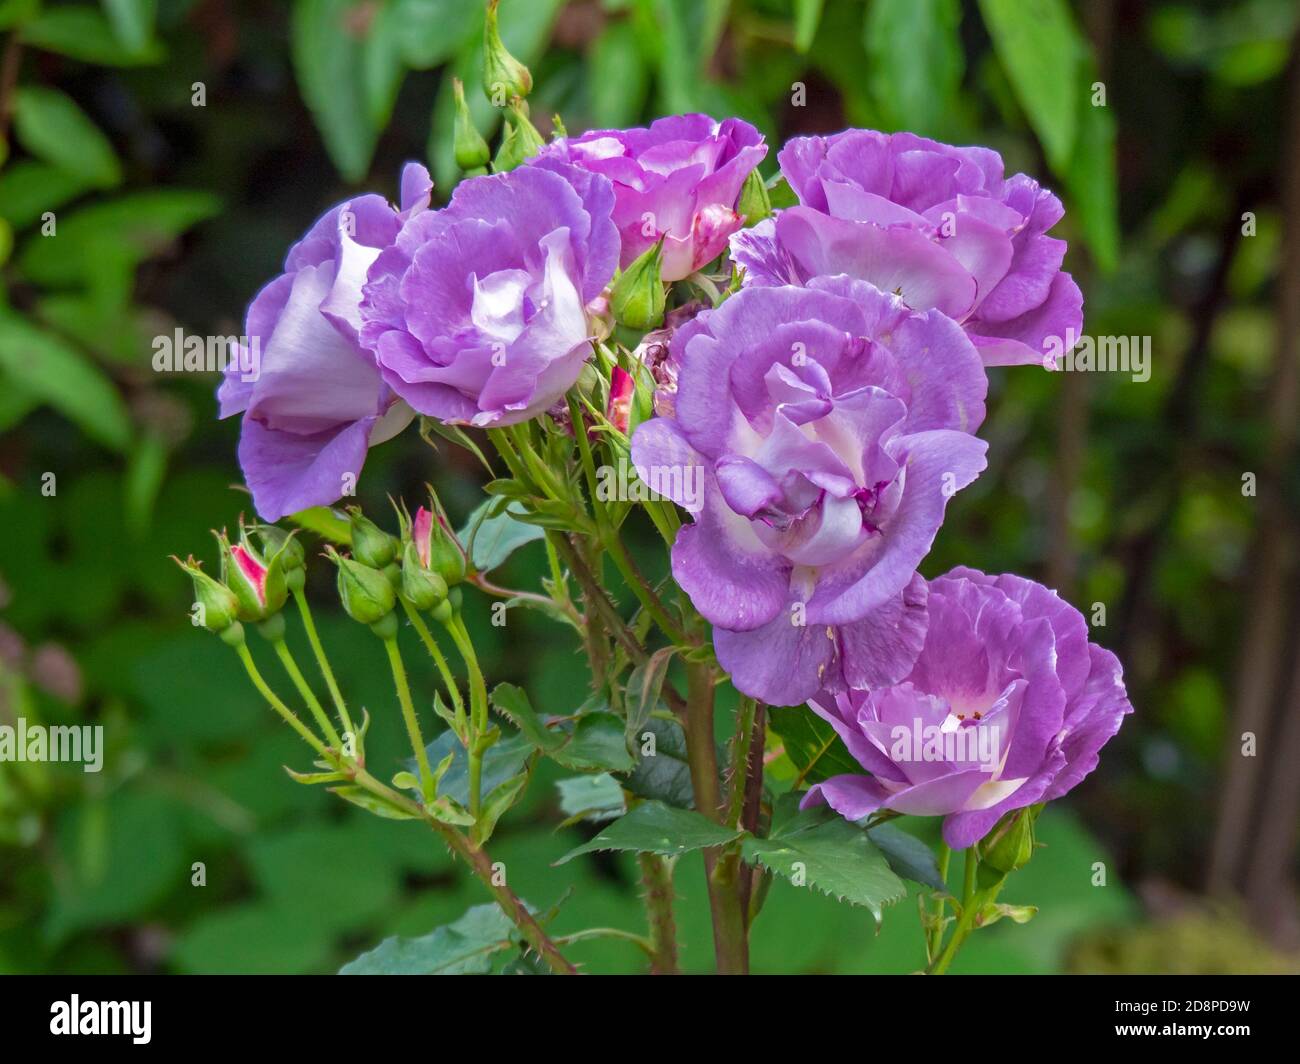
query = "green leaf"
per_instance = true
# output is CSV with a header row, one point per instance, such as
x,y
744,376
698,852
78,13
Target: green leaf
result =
x,y
372,804
286,865
595,798
135,227
16,12
132,21
811,744
617,76
45,367
593,742
121,857
1090,178
144,479
495,534
53,128
780,194
15,403
835,857
502,760
111,330
513,702
807,16
995,911
85,34
432,31
644,686
450,811
1039,47
258,938
325,522
452,434
915,61
464,947
597,743
496,803
29,188
653,827
907,855
345,71
666,775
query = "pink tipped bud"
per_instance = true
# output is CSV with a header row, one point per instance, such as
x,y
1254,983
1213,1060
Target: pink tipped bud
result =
x,y
422,535
621,387
252,571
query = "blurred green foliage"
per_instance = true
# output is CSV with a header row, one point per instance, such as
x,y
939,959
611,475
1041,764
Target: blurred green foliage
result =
x,y
160,157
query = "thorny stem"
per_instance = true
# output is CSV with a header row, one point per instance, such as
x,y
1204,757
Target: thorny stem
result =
x,y
730,935
973,903
408,716
657,887
308,695
935,936
610,538
475,856
336,696
478,700
598,599
273,700
435,652
477,685
642,589
482,867
738,770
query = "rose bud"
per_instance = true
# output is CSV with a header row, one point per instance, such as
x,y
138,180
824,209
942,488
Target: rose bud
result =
x,y
421,586
366,593
217,606
258,584
371,545
638,296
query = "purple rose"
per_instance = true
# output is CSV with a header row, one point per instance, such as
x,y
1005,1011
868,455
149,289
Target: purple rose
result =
x,y
312,398
938,225
1007,705
478,312
679,179
817,435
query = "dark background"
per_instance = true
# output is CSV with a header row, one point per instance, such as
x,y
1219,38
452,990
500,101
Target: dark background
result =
x,y
1121,494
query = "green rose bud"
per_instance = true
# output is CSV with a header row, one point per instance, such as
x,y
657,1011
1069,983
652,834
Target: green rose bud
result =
x,y
422,587
472,152
504,77
215,605
520,141
371,545
445,557
638,295
275,540
754,203
1008,846
434,548
366,593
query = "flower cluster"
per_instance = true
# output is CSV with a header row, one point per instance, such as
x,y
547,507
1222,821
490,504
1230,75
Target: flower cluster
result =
x,y
816,414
